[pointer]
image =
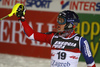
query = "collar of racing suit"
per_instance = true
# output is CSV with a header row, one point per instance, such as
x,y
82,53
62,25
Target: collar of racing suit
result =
x,y
67,34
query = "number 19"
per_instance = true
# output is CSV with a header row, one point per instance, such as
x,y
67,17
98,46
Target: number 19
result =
x,y
61,55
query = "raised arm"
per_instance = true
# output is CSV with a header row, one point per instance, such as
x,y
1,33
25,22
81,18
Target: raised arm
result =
x,y
28,30
35,35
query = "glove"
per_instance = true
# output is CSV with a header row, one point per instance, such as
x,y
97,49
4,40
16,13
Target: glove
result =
x,y
21,13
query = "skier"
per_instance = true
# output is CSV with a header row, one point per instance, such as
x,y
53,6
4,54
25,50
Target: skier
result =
x,y
66,45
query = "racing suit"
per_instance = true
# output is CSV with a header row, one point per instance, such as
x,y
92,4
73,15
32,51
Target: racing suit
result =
x,y
65,51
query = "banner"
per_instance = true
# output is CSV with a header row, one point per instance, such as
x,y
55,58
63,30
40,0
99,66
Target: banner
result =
x,y
14,41
79,6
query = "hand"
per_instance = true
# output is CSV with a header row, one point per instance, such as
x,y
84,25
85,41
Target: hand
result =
x,y
21,12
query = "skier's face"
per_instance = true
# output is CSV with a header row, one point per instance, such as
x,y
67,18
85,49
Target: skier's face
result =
x,y
61,24
60,27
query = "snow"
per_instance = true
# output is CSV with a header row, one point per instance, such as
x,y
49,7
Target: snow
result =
x,y
7,60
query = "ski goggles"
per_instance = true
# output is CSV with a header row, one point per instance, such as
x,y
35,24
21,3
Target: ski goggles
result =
x,y
61,20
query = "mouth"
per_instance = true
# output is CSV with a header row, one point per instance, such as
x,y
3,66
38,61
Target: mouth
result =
x,y
58,27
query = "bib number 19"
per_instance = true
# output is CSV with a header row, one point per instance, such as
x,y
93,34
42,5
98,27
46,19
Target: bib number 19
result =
x,y
61,55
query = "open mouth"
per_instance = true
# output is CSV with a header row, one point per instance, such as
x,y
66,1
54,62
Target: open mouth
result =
x,y
58,27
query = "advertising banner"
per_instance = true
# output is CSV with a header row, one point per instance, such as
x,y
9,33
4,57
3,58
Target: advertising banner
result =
x,y
41,15
86,6
14,41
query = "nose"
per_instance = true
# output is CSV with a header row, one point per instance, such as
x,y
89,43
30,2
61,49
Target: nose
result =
x,y
58,24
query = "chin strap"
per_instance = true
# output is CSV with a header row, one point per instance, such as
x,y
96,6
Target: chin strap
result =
x,y
67,33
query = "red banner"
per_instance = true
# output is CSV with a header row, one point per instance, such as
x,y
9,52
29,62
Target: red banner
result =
x,y
14,41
